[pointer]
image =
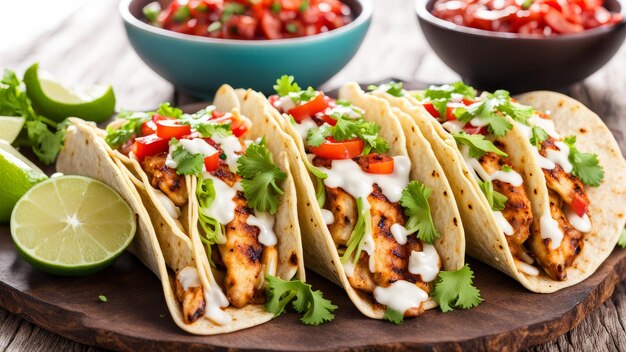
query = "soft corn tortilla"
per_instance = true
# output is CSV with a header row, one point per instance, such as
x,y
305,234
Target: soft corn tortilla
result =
x,y
485,241
320,250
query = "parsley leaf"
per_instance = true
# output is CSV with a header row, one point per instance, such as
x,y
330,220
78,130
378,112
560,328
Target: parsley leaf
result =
x,y
414,200
497,200
455,289
478,145
391,88
538,136
316,308
285,85
348,128
393,316
586,166
363,225
622,239
187,163
212,231
165,109
132,126
260,178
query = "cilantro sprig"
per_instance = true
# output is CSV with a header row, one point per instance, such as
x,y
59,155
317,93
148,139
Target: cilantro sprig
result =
x,y
312,304
538,135
392,88
586,166
131,127
439,96
478,145
393,316
187,163
286,86
497,201
261,178
414,200
348,128
489,110
455,289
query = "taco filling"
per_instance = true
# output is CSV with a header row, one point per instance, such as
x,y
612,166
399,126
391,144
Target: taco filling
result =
x,y
379,219
236,207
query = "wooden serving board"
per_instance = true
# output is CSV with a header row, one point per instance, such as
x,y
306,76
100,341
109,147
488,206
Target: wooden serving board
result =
x,y
135,316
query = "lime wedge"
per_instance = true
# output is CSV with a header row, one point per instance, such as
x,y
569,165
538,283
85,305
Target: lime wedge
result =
x,y
72,225
18,176
10,127
57,102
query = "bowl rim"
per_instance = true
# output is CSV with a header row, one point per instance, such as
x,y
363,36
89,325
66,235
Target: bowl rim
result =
x,y
127,16
424,14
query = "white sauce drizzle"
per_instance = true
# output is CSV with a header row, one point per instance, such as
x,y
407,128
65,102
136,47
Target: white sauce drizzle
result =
x,y
550,229
169,162
582,224
560,157
231,146
527,268
504,225
348,175
425,263
198,146
215,300
510,177
188,277
546,124
328,217
400,296
304,126
400,233
169,206
265,223
223,206
348,267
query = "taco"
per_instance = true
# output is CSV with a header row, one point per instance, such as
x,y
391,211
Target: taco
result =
x,y
218,188
516,219
377,214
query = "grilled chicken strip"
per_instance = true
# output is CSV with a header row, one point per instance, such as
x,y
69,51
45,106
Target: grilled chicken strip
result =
x,y
362,279
165,178
568,186
555,262
192,301
344,210
517,210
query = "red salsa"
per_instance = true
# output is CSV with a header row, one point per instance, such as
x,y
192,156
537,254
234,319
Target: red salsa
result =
x,y
541,17
249,19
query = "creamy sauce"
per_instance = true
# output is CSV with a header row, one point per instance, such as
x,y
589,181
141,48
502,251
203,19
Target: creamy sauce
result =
x,y
265,223
526,268
169,206
542,161
215,300
477,122
550,229
198,146
425,263
503,224
348,267
328,217
546,124
400,233
223,207
231,146
510,177
453,126
582,224
560,157
304,126
348,175
188,277
400,296
285,103
169,162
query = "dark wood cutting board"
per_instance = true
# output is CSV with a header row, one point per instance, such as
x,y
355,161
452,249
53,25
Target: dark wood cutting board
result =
x,y
135,316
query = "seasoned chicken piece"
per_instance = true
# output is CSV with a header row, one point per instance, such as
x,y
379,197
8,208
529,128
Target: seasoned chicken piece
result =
x,y
555,262
390,258
165,179
241,255
361,279
517,210
192,302
344,209
568,186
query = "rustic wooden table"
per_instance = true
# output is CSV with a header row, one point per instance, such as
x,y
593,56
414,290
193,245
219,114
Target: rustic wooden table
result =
x,y
84,41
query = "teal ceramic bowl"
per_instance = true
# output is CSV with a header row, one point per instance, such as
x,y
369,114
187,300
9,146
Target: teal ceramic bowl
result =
x,y
199,65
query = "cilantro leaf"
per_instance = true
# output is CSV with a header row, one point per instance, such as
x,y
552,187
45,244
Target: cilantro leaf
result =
x,y
316,308
518,112
538,136
285,85
393,316
348,128
165,109
486,111
260,178
316,136
132,126
455,289
439,96
392,88
497,201
187,163
478,145
363,225
586,166
414,200
622,239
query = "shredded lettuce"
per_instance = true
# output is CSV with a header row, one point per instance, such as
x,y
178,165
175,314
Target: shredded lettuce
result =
x,y
363,225
212,231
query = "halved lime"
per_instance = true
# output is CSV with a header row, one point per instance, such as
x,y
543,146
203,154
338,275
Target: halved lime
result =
x,y
17,175
57,102
10,127
72,225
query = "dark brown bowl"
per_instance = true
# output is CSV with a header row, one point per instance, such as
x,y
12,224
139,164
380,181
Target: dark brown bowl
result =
x,y
516,62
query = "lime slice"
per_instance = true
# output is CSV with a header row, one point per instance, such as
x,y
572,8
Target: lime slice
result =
x,y
72,225
55,101
10,127
18,176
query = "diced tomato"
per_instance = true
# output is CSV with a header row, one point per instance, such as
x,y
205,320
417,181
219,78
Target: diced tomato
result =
x,y
169,129
332,149
270,25
239,125
148,127
579,204
329,120
150,145
467,101
378,164
211,162
292,5
559,23
431,109
469,129
309,108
